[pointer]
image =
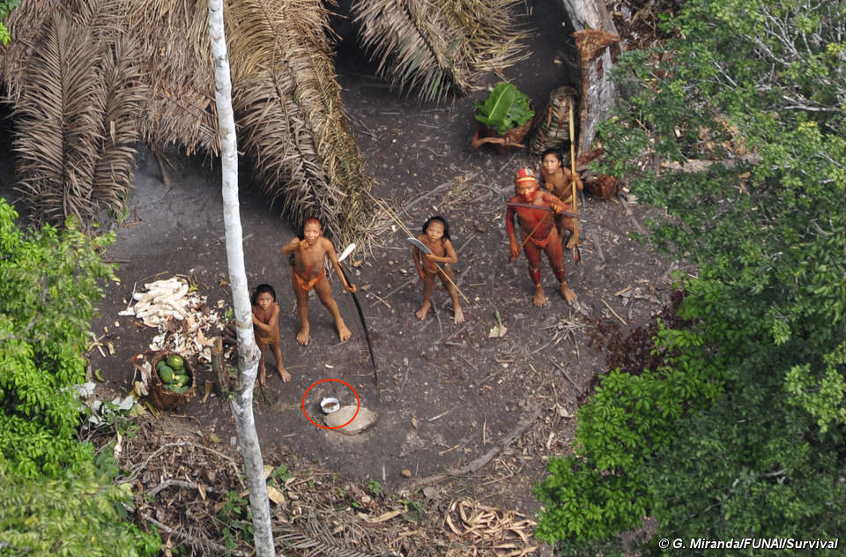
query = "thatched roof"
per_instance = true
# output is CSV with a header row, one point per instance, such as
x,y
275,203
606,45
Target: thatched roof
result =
x,y
142,69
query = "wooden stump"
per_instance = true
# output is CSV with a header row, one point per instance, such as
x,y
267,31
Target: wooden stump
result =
x,y
219,367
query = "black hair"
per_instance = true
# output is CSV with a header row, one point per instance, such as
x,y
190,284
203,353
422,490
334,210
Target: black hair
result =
x,y
440,219
263,288
555,152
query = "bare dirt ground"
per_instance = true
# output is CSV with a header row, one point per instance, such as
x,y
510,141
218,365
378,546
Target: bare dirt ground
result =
x,y
449,395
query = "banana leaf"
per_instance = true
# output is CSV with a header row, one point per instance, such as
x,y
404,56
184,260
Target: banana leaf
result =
x,y
520,112
494,112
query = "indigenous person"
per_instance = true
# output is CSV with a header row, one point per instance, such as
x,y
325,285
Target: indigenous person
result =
x,y
308,273
436,237
266,329
557,178
538,233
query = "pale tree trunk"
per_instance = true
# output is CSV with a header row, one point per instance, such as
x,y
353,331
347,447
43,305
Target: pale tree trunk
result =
x,y
248,352
596,39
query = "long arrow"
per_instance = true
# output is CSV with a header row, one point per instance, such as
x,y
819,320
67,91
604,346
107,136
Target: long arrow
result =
x,y
347,251
525,240
568,213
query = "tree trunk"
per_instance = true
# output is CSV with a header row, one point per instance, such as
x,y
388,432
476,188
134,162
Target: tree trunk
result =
x,y
596,39
248,352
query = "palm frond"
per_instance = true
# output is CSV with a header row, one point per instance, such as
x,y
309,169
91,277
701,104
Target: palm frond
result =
x,y
408,38
430,47
177,65
25,24
290,114
60,123
125,94
101,17
491,30
311,535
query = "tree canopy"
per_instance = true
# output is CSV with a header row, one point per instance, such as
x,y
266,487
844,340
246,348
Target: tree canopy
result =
x,y
736,129
55,494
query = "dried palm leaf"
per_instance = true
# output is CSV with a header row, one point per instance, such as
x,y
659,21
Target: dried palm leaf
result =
x,y
59,122
25,24
177,64
429,47
101,17
409,38
491,30
125,94
289,111
310,532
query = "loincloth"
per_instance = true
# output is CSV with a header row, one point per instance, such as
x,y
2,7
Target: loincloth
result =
x,y
542,243
308,285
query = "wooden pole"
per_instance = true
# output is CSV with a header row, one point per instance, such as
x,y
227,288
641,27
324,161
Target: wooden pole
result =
x,y
219,367
573,169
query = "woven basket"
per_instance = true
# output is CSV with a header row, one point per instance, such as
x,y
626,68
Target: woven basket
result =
x,y
163,398
553,123
603,186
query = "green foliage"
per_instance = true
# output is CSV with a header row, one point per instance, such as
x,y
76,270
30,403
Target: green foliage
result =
x,y
55,496
68,516
504,109
741,432
6,8
603,490
237,519
49,283
374,487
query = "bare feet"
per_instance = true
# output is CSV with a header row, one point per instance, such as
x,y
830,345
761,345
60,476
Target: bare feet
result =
x,y
567,293
458,315
421,313
303,335
343,332
540,299
283,373
572,242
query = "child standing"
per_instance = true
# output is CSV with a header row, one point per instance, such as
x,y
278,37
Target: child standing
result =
x,y
308,273
557,179
436,237
266,329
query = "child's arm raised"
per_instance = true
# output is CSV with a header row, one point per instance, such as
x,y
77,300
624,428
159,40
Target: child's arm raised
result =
x,y
572,177
291,246
333,258
449,254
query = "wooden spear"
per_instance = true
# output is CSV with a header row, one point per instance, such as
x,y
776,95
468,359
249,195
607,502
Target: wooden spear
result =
x,y
573,170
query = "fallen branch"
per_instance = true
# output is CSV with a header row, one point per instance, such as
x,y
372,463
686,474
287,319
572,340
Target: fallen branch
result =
x,y
143,465
204,544
565,374
480,462
615,313
180,483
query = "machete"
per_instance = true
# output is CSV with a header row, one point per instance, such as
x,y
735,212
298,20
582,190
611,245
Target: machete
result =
x,y
425,249
347,251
